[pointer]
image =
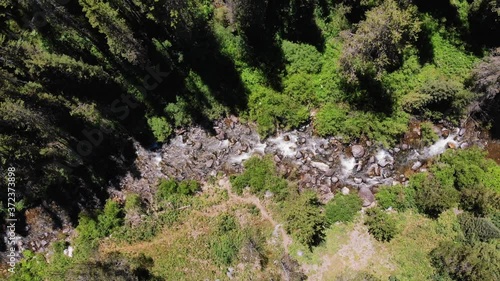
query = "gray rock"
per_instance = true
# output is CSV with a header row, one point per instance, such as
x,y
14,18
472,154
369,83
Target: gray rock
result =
x,y
357,151
366,195
359,166
329,173
416,165
197,146
277,159
299,155
464,145
209,163
302,140
345,190
445,132
372,160
335,180
358,180
461,132
397,149
404,146
383,162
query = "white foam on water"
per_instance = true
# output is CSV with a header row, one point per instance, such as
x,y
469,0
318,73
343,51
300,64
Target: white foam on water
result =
x,y
287,148
157,159
347,165
258,148
439,146
383,155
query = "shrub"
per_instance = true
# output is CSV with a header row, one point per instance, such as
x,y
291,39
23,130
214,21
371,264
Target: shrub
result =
x,y
167,188
260,175
132,202
381,225
432,197
441,97
303,218
110,219
160,127
397,197
478,228
480,200
342,208
428,136
301,58
476,261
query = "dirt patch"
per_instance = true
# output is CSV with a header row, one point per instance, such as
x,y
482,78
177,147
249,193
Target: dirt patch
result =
x,y
359,253
493,148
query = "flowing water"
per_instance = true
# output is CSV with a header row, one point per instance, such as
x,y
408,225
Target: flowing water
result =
x,y
323,164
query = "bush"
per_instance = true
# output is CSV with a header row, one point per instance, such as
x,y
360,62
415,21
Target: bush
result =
x,y
342,208
381,225
480,200
132,202
469,167
301,58
442,98
160,127
110,219
432,197
340,120
428,136
468,262
303,218
260,175
167,188
478,228
397,197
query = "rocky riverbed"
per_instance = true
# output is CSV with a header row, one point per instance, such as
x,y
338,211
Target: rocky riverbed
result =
x,y
326,165
321,164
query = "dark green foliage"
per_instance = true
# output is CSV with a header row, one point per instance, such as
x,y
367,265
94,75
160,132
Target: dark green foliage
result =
x,y
478,228
342,208
304,220
166,188
468,262
260,175
113,267
428,136
110,219
432,197
379,40
480,200
398,197
441,98
381,225
339,120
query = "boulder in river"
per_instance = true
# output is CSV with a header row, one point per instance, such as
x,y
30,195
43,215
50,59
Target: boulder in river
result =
x,y
357,151
335,180
416,165
209,163
329,173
